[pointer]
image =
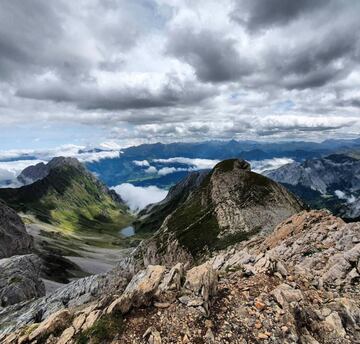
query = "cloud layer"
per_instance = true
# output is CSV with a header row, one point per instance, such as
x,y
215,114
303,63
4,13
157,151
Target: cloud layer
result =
x,y
154,70
137,197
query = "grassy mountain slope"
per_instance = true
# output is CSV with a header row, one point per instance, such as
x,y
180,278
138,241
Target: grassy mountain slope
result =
x,y
71,198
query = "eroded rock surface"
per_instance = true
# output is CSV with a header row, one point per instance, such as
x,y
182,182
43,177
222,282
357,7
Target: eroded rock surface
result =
x,y
20,279
14,239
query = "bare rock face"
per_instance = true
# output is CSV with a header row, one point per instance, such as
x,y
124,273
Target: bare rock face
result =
x,y
14,239
74,294
318,244
20,279
334,175
140,290
146,288
200,286
248,201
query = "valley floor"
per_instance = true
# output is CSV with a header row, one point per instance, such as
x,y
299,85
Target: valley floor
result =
x,y
77,254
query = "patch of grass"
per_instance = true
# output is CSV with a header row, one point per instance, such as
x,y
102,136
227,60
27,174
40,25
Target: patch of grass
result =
x,y
27,330
15,280
194,223
104,329
234,268
228,240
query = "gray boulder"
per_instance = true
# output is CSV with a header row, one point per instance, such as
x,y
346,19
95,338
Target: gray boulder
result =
x,y
14,240
20,279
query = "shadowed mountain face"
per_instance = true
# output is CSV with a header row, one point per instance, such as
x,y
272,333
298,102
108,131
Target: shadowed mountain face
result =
x,y
68,196
332,182
229,205
13,237
151,218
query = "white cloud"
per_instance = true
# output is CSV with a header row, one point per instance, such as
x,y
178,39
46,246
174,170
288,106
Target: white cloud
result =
x,y
82,153
9,170
151,170
198,164
260,166
6,176
342,195
168,170
137,197
141,163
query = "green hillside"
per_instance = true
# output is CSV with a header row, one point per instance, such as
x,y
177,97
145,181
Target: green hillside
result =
x,y
71,198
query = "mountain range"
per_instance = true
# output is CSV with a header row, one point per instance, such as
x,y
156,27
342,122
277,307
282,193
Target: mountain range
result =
x,y
230,256
331,182
124,169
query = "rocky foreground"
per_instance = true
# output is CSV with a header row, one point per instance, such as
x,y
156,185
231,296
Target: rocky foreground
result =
x,y
298,284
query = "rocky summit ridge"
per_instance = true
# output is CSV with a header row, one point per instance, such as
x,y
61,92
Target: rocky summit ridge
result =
x,y
290,277
231,204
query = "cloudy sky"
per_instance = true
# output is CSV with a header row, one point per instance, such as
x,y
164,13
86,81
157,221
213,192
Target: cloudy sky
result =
x,y
92,71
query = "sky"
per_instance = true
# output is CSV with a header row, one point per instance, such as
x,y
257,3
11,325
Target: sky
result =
x,y
87,72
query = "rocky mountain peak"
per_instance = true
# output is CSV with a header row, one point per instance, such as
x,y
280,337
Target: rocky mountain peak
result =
x,y
231,204
64,161
232,165
39,171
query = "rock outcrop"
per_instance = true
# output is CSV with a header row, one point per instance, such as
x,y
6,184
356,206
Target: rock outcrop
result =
x,y
20,279
102,320
39,171
74,294
14,239
230,205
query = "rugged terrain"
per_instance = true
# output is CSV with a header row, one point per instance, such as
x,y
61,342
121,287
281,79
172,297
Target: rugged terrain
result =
x,y
19,268
332,182
231,204
298,284
74,222
151,218
255,268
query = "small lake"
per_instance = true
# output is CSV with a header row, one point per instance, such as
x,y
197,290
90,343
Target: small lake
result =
x,y
127,231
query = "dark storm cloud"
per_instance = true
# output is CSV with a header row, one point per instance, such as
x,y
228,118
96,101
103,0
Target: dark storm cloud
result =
x,y
27,29
35,36
91,97
317,61
348,102
321,46
260,14
171,68
214,58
